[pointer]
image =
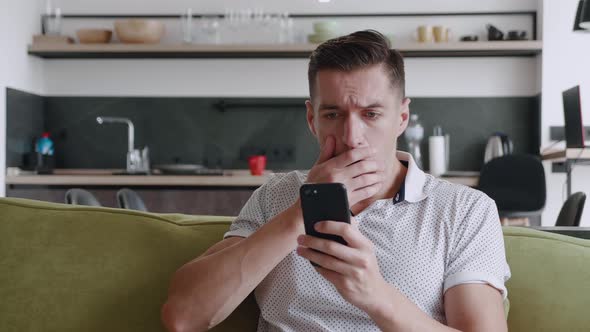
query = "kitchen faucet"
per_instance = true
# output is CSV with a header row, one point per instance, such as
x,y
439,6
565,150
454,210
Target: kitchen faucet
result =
x,y
137,161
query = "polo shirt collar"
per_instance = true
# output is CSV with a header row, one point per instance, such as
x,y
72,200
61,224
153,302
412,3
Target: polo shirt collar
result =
x,y
415,179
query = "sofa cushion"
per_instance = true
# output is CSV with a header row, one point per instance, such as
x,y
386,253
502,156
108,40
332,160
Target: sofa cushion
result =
x,y
550,285
74,268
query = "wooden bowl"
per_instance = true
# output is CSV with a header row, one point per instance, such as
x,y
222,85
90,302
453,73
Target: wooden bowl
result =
x,y
94,36
325,27
139,31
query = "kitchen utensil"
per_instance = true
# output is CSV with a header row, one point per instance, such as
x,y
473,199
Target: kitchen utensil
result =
x,y
186,169
494,33
178,168
469,38
517,35
257,164
94,36
498,145
139,31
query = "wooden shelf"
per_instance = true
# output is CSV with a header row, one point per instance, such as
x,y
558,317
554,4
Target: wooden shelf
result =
x,y
155,51
570,153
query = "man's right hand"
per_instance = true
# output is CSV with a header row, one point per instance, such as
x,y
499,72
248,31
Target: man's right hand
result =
x,y
358,169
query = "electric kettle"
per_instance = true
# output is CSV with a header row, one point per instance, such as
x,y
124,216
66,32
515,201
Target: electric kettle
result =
x,y
498,145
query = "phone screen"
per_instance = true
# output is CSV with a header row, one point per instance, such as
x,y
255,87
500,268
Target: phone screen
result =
x,y
324,201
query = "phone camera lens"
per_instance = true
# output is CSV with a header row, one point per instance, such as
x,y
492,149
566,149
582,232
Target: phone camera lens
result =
x,y
307,192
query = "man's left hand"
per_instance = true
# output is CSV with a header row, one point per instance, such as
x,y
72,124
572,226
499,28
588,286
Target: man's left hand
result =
x,y
353,269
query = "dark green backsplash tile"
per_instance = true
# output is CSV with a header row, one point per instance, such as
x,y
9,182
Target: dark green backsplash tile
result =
x,y
198,130
24,123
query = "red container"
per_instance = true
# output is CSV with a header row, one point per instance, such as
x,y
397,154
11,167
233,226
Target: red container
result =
x,y
257,164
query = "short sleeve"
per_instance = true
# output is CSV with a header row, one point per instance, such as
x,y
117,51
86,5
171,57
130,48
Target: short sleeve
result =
x,y
251,217
477,254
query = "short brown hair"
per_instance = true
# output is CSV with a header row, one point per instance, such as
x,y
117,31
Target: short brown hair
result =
x,y
357,50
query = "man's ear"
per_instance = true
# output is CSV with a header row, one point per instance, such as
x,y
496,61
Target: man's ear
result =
x,y
404,116
310,117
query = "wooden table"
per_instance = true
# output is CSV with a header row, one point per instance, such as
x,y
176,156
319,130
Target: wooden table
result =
x,y
570,157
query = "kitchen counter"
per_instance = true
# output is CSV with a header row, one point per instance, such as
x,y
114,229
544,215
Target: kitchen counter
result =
x,y
470,181
105,177
192,194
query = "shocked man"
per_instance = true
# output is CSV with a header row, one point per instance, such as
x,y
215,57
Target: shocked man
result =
x,y
423,254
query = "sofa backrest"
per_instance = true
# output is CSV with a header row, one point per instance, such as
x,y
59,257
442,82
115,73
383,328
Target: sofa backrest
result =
x,y
550,285
75,268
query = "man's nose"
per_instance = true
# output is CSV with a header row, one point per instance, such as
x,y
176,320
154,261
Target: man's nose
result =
x,y
354,132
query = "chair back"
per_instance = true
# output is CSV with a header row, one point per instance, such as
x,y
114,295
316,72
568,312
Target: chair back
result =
x,y
571,211
130,200
77,196
516,182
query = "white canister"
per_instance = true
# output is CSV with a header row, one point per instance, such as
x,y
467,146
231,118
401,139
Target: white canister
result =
x,y
437,153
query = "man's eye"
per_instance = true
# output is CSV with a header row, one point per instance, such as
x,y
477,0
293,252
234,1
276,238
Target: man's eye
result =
x,y
331,115
371,114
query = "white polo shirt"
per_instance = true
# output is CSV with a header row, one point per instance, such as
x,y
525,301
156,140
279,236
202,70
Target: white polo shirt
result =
x,y
441,235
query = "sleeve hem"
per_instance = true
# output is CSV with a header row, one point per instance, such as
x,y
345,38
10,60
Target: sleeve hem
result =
x,y
238,232
474,278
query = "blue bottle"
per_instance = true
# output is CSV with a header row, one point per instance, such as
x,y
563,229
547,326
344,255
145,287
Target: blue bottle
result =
x,y
44,145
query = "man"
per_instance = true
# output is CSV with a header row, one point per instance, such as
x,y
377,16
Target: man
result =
x,y
423,254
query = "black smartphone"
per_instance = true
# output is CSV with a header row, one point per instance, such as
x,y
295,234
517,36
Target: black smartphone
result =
x,y
324,201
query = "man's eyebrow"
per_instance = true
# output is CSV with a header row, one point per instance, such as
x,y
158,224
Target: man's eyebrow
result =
x,y
336,107
328,107
374,105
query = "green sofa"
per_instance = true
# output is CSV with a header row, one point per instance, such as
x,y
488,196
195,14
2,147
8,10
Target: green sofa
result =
x,y
73,268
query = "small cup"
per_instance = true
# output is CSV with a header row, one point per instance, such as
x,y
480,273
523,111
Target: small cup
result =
x,y
424,33
53,22
257,164
441,34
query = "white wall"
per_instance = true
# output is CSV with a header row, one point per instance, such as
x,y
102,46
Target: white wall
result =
x,y
19,20
472,77
454,77
565,64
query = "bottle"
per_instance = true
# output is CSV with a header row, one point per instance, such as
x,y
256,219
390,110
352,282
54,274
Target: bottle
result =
x,y
187,26
44,145
437,152
414,135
